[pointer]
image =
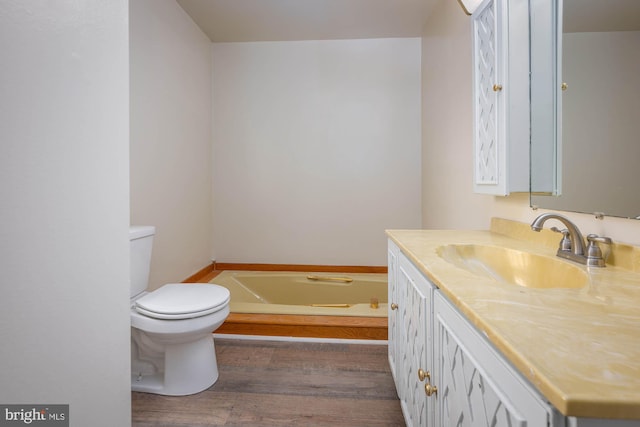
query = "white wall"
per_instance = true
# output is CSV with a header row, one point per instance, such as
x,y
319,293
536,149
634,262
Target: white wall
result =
x,y
64,216
448,200
316,149
171,137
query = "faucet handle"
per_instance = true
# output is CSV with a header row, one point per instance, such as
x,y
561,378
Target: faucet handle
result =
x,y
591,238
594,254
565,243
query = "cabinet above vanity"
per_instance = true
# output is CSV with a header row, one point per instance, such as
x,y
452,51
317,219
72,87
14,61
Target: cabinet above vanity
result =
x,y
540,352
500,31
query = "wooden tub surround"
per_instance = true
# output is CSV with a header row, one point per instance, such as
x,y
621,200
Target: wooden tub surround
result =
x,y
344,327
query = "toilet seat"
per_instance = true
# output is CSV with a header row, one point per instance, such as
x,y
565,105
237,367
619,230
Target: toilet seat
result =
x,y
177,301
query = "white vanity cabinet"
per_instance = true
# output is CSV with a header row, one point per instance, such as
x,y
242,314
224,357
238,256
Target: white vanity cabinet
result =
x,y
410,338
446,373
500,31
456,363
476,386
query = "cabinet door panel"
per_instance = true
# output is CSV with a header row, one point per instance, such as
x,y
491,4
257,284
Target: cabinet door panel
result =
x,y
501,96
467,398
393,325
488,100
415,351
476,386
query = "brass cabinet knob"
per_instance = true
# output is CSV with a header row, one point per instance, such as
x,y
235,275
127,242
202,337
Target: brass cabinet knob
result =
x,y
394,306
430,389
497,87
564,86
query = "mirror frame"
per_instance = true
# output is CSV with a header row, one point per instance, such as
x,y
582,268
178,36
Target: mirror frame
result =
x,y
545,73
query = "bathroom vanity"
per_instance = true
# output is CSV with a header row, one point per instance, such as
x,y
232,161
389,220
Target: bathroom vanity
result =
x,y
542,345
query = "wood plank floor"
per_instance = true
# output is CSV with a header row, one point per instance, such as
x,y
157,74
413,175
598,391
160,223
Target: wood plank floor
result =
x,y
274,383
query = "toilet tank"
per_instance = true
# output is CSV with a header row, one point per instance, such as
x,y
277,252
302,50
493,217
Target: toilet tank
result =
x,y
140,244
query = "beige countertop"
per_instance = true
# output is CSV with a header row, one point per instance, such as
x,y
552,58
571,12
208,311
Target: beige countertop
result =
x,y
579,347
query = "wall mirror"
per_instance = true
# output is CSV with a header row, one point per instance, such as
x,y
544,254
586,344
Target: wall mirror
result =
x,y
585,106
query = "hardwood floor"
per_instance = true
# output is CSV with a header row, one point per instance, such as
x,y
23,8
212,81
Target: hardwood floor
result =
x,y
274,383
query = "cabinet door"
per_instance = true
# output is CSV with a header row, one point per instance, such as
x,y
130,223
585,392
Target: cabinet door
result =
x,y
489,72
476,386
501,96
394,330
416,293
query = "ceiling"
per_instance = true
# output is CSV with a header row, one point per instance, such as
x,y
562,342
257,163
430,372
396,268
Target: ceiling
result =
x,y
280,20
284,20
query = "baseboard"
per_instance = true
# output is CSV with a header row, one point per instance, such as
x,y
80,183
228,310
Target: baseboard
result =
x,y
300,267
299,339
201,275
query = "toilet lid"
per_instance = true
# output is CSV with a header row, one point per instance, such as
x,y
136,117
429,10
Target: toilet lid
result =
x,y
183,301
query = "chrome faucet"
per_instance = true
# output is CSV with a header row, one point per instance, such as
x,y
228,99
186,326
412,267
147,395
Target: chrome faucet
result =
x,y
572,244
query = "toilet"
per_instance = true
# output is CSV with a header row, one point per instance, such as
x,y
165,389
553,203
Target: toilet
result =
x,y
172,348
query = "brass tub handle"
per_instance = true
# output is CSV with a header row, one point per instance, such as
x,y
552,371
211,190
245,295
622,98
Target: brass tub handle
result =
x,y
331,305
330,279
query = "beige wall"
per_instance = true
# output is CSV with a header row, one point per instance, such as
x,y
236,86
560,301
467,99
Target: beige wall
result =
x,y
64,185
447,127
447,197
171,137
291,220
316,149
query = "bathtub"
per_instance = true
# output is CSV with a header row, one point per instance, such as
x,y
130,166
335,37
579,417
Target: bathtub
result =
x,y
297,293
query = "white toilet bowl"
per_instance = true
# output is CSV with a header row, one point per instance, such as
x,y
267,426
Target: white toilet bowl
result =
x,y
172,349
